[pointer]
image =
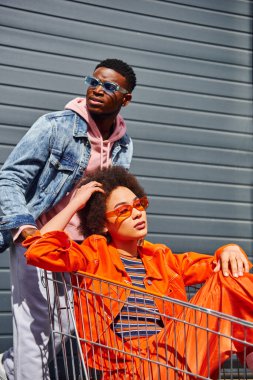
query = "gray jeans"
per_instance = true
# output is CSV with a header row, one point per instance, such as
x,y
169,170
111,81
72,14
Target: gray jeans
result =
x,y
29,357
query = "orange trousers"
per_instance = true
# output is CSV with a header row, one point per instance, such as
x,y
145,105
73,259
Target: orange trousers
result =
x,y
192,344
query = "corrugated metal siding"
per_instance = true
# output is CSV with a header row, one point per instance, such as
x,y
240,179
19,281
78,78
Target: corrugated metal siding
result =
x,y
191,116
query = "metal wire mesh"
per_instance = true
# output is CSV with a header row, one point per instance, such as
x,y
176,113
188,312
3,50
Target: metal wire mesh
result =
x,y
183,349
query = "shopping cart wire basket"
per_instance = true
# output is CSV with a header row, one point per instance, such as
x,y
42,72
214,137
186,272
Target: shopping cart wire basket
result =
x,y
190,343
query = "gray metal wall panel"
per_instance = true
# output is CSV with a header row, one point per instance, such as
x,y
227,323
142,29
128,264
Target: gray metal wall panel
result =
x,y
191,116
5,304
191,171
53,81
203,190
184,70
213,57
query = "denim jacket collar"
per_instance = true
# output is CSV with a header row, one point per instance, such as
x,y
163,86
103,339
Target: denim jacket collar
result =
x,y
80,128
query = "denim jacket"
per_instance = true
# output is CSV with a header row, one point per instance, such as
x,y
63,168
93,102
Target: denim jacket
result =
x,y
45,165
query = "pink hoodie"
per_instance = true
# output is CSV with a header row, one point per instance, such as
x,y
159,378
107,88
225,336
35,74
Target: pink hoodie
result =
x,y
100,149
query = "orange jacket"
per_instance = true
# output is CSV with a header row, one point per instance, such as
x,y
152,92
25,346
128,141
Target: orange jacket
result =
x,y
166,274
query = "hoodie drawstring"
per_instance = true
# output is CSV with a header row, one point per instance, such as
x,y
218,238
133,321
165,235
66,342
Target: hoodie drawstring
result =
x,y
105,147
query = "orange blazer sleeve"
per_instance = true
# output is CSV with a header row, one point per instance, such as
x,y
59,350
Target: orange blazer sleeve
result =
x,y
197,267
194,267
54,251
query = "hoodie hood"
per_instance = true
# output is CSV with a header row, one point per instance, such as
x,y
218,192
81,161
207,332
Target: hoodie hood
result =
x,y
100,149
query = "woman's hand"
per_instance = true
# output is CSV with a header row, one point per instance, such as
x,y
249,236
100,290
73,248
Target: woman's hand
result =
x,y
232,261
83,194
79,200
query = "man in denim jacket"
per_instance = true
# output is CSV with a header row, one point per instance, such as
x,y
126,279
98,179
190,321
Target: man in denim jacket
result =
x,y
38,179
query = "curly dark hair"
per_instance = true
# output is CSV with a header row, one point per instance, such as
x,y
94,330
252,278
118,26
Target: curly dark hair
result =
x,y
122,68
92,216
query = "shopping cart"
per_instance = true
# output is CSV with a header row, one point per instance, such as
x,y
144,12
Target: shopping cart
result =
x,y
88,352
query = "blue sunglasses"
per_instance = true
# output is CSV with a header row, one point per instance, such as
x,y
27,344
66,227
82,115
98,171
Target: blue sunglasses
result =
x,y
107,86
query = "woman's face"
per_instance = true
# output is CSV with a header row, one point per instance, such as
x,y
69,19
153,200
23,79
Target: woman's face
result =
x,y
129,228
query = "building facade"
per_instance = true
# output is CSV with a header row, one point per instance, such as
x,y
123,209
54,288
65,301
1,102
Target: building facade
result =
x,y
191,116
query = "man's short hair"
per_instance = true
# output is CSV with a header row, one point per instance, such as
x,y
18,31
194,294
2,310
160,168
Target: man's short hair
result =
x,y
122,68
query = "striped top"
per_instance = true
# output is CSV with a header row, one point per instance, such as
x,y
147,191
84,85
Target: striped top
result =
x,y
138,316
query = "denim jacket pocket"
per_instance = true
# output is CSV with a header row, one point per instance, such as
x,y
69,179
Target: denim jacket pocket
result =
x,y
57,170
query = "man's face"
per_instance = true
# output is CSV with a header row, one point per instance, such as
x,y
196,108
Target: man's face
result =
x,y
100,102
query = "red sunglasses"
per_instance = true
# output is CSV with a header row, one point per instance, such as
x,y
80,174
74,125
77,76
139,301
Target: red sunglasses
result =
x,y
125,211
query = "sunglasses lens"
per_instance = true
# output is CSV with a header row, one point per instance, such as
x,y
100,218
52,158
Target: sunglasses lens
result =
x,y
111,87
91,81
144,202
141,204
124,211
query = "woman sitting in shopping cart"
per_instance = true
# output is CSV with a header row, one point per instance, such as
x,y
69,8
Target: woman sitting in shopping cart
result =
x,y
170,339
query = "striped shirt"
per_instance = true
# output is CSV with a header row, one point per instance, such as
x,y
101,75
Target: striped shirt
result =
x,y
138,316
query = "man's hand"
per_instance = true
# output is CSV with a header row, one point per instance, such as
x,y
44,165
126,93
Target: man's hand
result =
x,y
29,231
232,260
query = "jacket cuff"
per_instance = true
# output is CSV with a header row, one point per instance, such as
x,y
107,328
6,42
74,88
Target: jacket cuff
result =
x,y
59,238
8,222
